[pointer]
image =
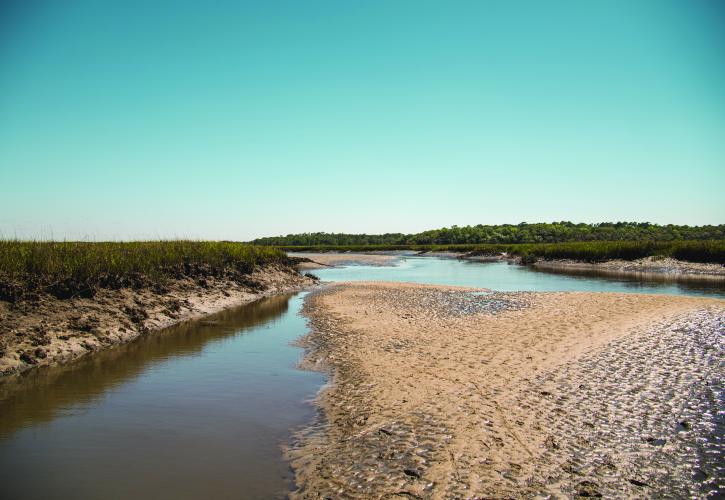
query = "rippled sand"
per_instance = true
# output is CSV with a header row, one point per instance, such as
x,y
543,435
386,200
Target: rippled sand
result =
x,y
443,392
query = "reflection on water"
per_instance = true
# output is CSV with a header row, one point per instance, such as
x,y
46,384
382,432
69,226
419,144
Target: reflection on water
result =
x,y
196,411
38,395
502,276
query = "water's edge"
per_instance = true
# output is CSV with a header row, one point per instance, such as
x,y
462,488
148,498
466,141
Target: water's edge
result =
x,y
212,404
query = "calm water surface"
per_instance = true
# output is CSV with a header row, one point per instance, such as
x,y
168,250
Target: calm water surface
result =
x,y
201,410
502,276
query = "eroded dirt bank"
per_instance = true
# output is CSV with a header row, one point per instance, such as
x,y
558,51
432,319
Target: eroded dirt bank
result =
x,y
441,392
46,330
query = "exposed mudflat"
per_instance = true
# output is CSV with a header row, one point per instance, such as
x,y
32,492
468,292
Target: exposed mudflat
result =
x,y
47,330
442,392
320,260
652,267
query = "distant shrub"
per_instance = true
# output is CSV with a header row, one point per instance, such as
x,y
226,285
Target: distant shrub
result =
x,y
528,258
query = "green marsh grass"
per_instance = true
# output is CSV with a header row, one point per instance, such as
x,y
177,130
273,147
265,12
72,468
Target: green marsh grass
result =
x,y
65,268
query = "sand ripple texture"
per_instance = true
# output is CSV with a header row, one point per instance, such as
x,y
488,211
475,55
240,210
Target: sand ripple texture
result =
x,y
442,392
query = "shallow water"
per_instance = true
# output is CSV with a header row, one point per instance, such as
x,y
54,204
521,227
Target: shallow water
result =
x,y
201,410
198,411
502,276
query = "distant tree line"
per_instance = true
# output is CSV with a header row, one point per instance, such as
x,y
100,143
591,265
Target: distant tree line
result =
x,y
555,232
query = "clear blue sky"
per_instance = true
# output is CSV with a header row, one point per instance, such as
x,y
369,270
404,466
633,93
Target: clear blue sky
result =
x,y
138,119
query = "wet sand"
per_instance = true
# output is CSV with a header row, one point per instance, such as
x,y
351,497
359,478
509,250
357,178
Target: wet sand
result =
x,y
441,392
320,260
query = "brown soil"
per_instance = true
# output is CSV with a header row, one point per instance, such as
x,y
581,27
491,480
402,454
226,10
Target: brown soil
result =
x,y
46,329
441,392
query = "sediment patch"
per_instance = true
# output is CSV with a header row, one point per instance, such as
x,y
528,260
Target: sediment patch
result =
x,y
442,392
321,260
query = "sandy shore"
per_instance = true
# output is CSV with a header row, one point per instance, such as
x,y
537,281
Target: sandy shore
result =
x,y
441,392
320,260
49,330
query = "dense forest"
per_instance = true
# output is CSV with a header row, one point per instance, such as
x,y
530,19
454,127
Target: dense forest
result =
x,y
555,232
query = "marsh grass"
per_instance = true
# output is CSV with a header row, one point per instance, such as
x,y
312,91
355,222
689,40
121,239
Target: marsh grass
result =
x,y
68,268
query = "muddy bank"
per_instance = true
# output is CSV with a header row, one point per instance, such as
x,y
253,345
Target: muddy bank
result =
x,y
647,268
441,392
657,268
46,329
321,260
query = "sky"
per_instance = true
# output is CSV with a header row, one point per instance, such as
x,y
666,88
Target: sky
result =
x,y
233,120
